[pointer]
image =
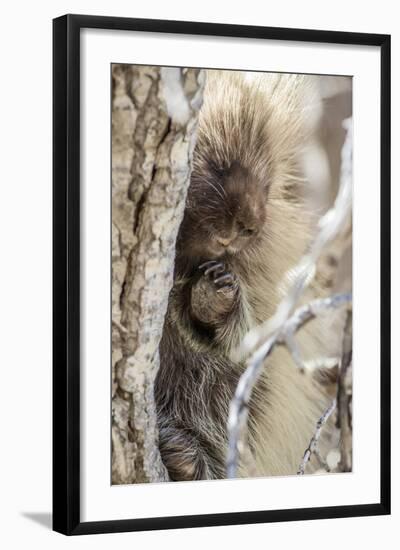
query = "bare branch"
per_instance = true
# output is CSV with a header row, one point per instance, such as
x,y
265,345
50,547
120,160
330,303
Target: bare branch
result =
x,y
344,397
313,446
282,326
239,405
323,463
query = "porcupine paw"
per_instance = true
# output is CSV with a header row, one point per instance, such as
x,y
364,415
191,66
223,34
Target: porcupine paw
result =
x,y
214,293
224,281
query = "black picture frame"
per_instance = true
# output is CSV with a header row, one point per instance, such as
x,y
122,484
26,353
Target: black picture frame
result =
x,y
66,273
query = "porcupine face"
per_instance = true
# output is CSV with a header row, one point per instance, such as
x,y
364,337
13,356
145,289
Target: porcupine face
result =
x,y
225,212
244,165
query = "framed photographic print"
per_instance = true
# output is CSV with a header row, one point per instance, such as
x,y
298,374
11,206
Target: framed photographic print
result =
x,y
221,274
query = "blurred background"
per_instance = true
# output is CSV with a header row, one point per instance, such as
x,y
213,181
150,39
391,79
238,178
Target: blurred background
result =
x,y
321,166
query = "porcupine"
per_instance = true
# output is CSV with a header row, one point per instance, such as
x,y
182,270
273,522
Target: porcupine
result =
x,y
244,227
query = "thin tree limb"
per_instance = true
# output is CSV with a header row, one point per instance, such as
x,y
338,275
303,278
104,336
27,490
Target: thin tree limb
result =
x,y
344,397
280,329
238,411
313,446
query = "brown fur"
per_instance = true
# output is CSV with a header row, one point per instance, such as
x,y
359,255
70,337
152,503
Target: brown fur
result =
x,y
244,210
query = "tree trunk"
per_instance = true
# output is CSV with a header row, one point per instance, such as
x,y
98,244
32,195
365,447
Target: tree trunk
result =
x,y
154,121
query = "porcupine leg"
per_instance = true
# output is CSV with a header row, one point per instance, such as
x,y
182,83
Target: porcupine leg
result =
x,y
214,294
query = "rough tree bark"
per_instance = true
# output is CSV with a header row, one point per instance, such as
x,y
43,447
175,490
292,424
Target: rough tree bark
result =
x,y
154,120
345,394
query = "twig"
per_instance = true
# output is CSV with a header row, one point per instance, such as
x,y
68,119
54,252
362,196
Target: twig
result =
x,y
322,363
321,460
315,438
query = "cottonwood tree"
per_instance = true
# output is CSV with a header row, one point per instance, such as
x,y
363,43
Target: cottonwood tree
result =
x,y
154,119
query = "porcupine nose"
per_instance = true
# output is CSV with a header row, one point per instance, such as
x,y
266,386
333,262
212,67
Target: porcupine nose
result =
x,y
224,241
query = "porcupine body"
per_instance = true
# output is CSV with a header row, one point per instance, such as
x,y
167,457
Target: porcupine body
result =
x,y
245,226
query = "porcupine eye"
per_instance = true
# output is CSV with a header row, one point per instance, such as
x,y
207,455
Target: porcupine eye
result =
x,y
245,231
